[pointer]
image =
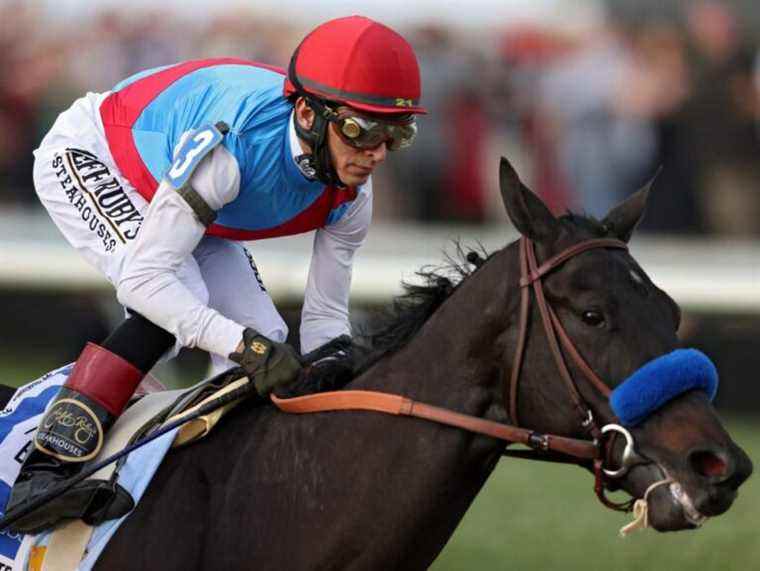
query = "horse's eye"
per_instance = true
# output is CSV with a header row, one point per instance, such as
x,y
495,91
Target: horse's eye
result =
x,y
593,318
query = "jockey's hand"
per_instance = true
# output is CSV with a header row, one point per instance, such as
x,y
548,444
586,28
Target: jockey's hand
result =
x,y
338,347
331,365
268,363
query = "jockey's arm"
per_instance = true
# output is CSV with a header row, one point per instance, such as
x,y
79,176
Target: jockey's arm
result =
x,y
325,308
150,282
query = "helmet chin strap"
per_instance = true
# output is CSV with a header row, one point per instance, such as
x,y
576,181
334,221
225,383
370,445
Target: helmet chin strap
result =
x,y
316,138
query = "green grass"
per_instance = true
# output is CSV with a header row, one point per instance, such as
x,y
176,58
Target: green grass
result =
x,y
16,370
19,370
535,516
538,516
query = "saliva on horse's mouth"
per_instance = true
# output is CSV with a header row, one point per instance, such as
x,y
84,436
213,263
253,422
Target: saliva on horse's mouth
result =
x,y
691,514
678,496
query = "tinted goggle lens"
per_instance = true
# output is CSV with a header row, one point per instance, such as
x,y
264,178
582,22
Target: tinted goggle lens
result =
x,y
364,133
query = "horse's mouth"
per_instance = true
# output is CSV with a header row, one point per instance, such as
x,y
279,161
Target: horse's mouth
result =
x,y
690,513
665,506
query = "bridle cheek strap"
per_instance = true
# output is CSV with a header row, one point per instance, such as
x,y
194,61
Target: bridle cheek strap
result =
x,y
531,275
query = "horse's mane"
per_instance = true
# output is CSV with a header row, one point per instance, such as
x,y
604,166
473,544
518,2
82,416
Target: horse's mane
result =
x,y
392,328
408,312
396,325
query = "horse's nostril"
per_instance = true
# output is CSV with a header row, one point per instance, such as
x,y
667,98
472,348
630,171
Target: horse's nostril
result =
x,y
709,464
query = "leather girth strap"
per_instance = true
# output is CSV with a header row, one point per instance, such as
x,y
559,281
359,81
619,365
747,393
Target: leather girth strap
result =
x,y
389,403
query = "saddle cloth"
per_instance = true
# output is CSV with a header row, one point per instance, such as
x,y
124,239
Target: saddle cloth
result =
x,y
73,545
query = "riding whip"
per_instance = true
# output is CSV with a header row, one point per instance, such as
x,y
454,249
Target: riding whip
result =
x,y
14,515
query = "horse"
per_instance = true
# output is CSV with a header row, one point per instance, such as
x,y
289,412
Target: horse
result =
x,y
362,490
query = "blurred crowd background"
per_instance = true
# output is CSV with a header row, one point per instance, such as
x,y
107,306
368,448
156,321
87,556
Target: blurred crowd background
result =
x,y
588,103
589,111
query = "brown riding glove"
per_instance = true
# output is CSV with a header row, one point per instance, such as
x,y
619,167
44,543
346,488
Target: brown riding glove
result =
x,y
268,363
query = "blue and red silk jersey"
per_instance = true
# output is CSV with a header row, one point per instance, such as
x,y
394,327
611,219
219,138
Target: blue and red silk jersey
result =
x,y
146,114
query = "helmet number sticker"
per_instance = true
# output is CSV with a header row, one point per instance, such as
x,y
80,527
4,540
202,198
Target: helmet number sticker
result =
x,y
191,151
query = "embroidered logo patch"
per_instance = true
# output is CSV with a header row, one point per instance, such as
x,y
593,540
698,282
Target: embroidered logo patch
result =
x,y
305,164
70,431
258,347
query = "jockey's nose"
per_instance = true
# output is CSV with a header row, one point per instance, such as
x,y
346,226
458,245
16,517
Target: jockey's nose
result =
x,y
378,153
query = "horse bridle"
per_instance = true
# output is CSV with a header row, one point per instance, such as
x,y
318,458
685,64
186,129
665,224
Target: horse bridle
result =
x,y
531,276
551,447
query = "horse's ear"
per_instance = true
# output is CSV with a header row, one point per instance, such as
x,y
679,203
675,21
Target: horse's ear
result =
x,y
527,211
623,219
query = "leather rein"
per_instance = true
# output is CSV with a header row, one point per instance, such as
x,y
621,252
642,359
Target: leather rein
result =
x,y
543,446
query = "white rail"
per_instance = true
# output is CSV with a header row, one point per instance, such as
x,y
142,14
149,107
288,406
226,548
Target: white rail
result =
x,y
701,274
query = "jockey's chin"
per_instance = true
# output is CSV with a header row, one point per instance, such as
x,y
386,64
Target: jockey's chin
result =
x,y
354,176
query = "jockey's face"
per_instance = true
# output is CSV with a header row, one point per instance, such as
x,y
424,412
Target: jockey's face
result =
x,y
354,166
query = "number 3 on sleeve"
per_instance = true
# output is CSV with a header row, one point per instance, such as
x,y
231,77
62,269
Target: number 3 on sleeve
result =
x,y
195,146
191,151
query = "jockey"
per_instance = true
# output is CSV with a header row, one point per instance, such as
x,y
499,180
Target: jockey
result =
x,y
158,181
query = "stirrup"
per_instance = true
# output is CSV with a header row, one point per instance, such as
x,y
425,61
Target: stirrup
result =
x,y
93,501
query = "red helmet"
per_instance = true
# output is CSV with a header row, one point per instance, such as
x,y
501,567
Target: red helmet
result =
x,y
358,62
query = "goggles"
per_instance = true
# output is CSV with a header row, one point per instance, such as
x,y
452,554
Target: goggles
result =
x,y
364,133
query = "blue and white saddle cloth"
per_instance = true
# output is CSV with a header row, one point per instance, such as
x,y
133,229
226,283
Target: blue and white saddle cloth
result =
x,y
18,423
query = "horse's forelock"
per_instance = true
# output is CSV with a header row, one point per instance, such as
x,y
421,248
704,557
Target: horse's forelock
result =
x,y
586,223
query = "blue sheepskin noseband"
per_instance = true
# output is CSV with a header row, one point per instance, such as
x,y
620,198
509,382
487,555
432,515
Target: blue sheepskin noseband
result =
x,y
661,380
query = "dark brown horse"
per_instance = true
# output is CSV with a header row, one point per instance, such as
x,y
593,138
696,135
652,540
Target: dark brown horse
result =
x,y
362,490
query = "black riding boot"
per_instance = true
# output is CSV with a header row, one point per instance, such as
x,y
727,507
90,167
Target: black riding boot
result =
x,y
70,434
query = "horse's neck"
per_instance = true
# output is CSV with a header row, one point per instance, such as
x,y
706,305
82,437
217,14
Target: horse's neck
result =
x,y
452,362
456,357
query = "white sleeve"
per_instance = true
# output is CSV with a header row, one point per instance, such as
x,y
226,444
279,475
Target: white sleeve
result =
x,y
217,178
170,232
325,306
